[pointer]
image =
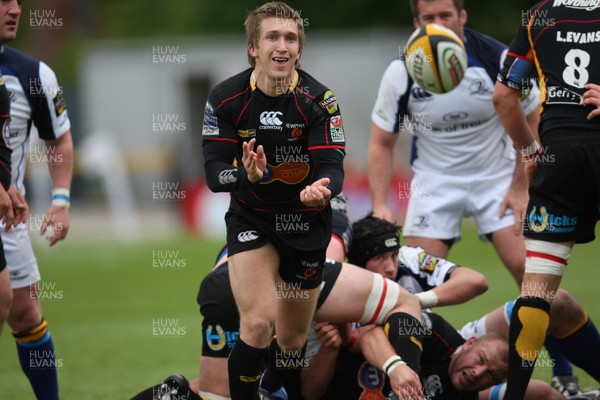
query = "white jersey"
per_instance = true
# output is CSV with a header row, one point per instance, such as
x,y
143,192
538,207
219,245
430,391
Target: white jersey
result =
x,y
421,271
36,98
459,132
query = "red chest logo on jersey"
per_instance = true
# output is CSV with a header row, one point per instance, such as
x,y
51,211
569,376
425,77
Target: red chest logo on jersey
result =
x,y
291,173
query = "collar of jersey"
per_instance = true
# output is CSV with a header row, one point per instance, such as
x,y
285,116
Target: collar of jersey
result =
x,y
290,88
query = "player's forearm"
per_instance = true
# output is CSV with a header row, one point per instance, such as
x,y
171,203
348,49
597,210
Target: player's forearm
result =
x,y
61,171
379,172
376,347
463,285
508,107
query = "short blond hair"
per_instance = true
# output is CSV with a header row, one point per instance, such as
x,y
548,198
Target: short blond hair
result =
x,y
275,9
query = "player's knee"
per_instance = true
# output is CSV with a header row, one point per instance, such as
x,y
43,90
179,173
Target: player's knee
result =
x,y
257,331
23,317
565,313
291,342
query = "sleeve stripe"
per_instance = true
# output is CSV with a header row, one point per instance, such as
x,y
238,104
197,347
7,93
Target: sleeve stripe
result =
x,y
326,148
221,140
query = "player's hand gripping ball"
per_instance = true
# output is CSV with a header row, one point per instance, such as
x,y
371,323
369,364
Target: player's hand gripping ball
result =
x,y
436,58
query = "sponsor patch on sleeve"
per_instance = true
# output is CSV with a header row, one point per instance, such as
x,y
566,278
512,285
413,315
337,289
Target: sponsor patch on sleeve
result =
x,y
336,129
427,262
329,102
210,126
59,103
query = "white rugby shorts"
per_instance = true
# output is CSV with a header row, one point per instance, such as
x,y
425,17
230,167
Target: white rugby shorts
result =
x,y
21,262
437,204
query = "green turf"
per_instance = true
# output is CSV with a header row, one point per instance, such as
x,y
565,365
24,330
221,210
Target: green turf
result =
x,y
107,297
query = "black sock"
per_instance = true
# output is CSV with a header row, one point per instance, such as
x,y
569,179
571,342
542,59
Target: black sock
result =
x,y
528,326
245,366
281,363
405,333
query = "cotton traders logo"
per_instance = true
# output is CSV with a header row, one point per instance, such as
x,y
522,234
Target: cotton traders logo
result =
x,y
270,120
587,5
549,222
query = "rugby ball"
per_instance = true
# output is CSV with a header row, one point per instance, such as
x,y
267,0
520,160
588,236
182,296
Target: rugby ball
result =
x,y
436,58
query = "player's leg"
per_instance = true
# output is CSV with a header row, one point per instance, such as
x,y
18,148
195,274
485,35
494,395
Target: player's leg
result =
x,y
362,296
359,295
296,304
220,331
6,296
510,247
565,315
35,346
529,324
252,275
437,247
576,335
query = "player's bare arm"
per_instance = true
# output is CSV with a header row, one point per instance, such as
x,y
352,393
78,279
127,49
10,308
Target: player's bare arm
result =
x,y
61,174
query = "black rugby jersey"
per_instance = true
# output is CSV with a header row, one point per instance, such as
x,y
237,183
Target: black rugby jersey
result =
x,y
438,349
300,130
561,40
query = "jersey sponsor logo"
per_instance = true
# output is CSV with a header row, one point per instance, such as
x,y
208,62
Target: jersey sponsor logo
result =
x,y
427,262
246,133
290,173
228,176
211,125
544,221
297,133
578,37
432,386
59,103
560,95
420,94
270,120
329,102
336,129
455,116
247,236
587,5
371,380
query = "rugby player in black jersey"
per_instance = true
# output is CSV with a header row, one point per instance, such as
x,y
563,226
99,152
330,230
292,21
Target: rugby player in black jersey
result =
x,y
558,43
273,138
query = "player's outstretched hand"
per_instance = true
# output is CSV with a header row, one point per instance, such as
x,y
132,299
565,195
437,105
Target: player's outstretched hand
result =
x,y
406,384
592,98
317,194
254,162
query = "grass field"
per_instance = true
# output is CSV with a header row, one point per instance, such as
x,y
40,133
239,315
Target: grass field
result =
x,y
124,317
